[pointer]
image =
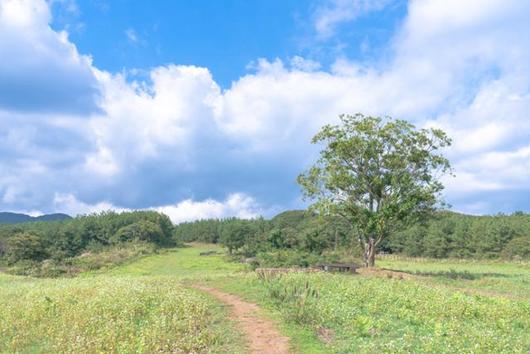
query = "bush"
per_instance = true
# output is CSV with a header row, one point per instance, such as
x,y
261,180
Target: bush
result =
x,y
517,247
142,230
25,246
88,261
287,258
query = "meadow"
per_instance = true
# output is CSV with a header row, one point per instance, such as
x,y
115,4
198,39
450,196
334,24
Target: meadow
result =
x,y
148,305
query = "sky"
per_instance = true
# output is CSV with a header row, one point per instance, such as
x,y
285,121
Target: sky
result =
x,y
206,108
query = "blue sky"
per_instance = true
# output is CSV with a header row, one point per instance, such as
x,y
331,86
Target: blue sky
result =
x,y
206,108
224,36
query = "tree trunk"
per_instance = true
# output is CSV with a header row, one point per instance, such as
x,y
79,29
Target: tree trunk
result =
x,y
369,253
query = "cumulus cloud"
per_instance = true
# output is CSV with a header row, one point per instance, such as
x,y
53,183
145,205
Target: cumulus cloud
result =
x,y
181,145
40,70
235,205
68,203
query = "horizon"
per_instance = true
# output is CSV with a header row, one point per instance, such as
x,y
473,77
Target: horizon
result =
x,y
140,106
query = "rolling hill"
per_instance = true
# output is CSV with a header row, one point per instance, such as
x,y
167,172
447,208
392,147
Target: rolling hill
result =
x,y
15,218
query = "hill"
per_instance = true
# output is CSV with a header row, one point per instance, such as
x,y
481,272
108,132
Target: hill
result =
x,y
15,218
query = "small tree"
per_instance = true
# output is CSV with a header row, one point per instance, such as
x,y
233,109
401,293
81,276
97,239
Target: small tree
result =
x,y
234,233
25,246
379,174
143,230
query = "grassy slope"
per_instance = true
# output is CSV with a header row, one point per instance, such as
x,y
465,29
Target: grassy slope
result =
x,y
182,263
489,277
187,265
139,307
132,307
372,315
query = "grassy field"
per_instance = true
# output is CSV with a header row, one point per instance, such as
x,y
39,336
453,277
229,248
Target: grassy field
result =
x,y
141,307
486,277
148,306
372,314
182,263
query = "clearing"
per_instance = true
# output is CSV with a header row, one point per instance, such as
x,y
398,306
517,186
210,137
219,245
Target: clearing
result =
x,y
180,301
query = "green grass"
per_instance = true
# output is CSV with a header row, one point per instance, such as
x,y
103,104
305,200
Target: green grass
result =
x,y
142,307
372,315
510,279
303,338
182,263
147,306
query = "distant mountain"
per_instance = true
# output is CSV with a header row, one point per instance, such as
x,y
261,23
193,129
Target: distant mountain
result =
x,y
15,218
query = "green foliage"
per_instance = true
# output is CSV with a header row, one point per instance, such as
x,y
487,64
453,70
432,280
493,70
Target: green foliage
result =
x,y
517,248
461,236
25,246
59,243
376,173
291,238
235,233
106,257
142,230
206,231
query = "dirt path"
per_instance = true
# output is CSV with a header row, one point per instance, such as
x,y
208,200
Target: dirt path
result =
x,y
262,335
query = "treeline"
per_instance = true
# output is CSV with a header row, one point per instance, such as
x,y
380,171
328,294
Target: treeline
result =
x,y
291,238
453,235
58,243
300,237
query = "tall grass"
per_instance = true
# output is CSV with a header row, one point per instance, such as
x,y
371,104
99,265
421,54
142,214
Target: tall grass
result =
x,y
107,314
370,315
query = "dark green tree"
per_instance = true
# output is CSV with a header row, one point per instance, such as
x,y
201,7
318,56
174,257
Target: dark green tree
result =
x,y
379,174
143,230
25,246
234,234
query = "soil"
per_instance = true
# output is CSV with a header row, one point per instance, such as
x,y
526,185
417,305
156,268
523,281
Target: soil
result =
x,y
262,335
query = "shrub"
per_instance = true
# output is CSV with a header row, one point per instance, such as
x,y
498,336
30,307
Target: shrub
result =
x,y
25,246
142,230
287,258
517,247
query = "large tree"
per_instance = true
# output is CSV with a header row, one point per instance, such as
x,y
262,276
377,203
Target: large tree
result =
x,y
378,173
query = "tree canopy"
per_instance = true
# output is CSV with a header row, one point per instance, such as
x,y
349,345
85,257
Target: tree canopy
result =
x,y
378,173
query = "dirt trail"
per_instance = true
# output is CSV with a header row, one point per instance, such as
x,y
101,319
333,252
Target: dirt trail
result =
x,y
262,335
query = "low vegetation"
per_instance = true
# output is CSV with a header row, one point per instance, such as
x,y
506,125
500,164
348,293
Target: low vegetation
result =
x,y
108,314
388,315
147,306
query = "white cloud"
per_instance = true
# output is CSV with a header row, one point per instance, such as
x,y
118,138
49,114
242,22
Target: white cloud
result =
x,y
40,70
131,35
331,15
237,204
69,204
463,66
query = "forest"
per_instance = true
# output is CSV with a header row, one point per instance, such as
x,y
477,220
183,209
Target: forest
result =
x,y
302,237
291,238
86,242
